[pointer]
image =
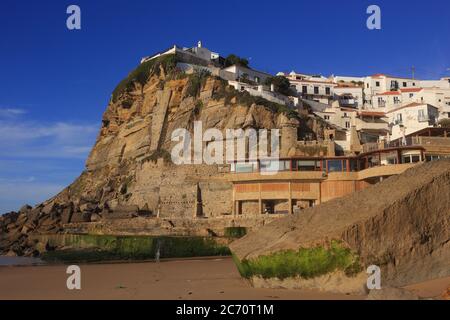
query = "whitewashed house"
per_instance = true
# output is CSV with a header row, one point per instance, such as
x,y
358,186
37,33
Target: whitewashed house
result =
x,y
411,118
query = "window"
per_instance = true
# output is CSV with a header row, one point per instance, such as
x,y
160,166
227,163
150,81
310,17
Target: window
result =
x,y
411,158
275,165
316,90
345,114
308,165
430,157
367,86
347,124
405,84
304,89
411,95
353,165
399,118
377,83
245,167
326,117
327,91
414,84
421,115
257,79
396,100
334,165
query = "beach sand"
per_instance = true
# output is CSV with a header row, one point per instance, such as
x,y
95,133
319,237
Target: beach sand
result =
x,y
180,279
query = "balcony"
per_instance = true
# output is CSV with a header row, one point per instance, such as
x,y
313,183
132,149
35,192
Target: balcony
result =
x,y
379,125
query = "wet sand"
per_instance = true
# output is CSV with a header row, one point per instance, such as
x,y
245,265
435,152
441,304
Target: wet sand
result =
x,y
182,279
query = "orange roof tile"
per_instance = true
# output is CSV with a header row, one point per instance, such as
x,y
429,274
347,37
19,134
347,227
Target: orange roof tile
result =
x,y
411,89
389,93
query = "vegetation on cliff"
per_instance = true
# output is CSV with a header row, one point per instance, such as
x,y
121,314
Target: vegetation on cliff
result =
x,y
143,72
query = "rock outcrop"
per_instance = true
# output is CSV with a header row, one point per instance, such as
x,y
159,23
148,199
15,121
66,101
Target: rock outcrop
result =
x,y
401,225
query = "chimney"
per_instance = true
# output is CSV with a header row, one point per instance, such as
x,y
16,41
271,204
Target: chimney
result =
x,y
199,44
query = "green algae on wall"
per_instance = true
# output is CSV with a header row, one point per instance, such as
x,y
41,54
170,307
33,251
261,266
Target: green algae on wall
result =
x,y
235,232
106,247
305,263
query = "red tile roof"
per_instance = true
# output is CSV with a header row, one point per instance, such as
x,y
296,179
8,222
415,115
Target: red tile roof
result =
x,y
389,93
411,89
372,113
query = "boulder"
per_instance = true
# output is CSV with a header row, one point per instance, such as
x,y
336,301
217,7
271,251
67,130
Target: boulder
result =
x,y
25,208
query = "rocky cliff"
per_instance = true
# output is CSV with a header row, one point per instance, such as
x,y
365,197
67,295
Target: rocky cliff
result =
x,y
401,225
129,171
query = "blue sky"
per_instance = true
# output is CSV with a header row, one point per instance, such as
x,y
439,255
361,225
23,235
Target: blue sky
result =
x,y
56,83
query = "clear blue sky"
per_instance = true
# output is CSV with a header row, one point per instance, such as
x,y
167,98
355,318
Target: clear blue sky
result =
x,y
55,83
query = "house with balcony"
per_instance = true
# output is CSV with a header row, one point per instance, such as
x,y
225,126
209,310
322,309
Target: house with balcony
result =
x,y
411,118
380,83
311,87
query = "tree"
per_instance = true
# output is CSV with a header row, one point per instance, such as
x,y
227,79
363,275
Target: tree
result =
x,y
445,123
233,59
281,85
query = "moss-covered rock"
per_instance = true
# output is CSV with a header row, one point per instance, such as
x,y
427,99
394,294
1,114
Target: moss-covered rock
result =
x,y
305,263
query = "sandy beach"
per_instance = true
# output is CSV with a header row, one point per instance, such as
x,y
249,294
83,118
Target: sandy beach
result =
x,y
181,279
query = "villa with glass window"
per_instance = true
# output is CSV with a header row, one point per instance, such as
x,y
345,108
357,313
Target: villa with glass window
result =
x,y
288,185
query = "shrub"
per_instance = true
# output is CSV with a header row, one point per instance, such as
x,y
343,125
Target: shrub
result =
x,y
196,81
305,263
233,59
143,72
445,123
198,107
281,85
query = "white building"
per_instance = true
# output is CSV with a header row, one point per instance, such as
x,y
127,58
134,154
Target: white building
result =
x,y
241,73
381,83
411,118
196,55
311,87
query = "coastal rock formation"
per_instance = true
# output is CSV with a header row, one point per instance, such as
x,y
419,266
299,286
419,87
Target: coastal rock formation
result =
x,y
401,225
129,172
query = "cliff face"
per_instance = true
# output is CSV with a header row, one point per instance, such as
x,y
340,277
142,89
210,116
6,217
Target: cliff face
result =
x,y
129,171
401,225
